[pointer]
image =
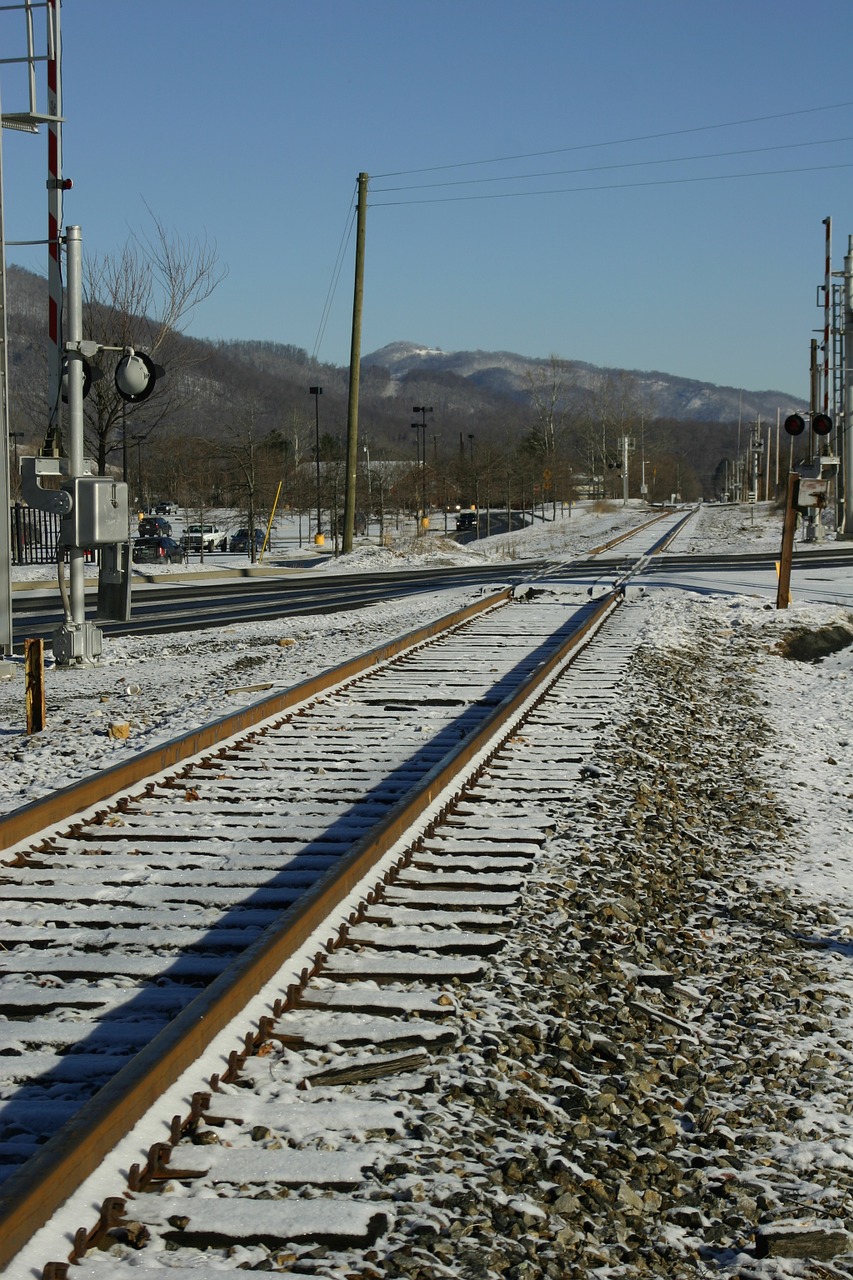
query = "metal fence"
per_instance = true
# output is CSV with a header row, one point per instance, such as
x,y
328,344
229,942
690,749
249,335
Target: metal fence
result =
x,y
34,535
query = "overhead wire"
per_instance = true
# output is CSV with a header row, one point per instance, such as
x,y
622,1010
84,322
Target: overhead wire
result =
x,y
615,142
612,186
577,147
624,164
335,277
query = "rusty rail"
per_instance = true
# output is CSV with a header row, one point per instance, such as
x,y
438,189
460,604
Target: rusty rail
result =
x,y
24,822
29,1198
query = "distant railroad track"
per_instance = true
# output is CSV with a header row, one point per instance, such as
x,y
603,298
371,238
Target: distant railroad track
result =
x,y
165,605
175,605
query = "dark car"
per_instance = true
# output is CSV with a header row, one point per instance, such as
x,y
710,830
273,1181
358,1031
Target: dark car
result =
x,y
164,508
466,520
154,527
240,541
157,551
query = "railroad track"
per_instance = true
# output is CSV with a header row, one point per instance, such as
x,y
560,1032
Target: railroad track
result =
x,y
110,993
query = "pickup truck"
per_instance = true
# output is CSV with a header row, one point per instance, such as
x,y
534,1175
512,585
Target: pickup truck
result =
x,y
204,536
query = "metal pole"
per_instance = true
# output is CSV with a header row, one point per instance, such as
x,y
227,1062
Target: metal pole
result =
x,y
423,410
5,527
423,475
828,304
54,229
848,388
778,415
316,392
355,367
417,471
77,555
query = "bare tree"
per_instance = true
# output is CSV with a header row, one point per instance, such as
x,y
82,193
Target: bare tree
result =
x,y
143,298
614,408
550,386
255,453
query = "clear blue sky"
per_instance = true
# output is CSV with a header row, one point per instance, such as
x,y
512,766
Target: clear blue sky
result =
x,y
247,124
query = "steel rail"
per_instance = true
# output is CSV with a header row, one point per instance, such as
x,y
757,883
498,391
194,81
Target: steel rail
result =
x,y
629,533
661,545
60,805
251,600
29,1198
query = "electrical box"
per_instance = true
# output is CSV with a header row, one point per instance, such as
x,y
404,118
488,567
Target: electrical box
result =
x,y
114,579
811,492
99,514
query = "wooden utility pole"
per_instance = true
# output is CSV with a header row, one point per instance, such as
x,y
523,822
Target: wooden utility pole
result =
x,y
355,368
783,591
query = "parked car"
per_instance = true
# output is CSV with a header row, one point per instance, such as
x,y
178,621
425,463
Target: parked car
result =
x,y
157,551
206,536
240,541
154,527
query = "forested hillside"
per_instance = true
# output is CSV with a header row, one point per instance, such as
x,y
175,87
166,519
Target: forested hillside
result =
x,y
233,419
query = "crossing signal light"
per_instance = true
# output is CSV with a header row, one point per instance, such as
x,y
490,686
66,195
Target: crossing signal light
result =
x,y
795,424
91,373
821,424
136,374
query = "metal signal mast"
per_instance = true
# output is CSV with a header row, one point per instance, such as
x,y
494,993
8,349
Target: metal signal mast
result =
x,y
29,121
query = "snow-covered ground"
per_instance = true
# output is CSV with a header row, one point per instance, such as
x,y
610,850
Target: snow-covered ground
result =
x,y
162,686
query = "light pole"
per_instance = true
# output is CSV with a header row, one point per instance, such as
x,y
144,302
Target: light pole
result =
x,y
423,410
138,438
366,450
316,392
15,436
419,511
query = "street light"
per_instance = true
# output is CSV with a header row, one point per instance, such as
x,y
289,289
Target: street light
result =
x,y
415,427
316,392
423,410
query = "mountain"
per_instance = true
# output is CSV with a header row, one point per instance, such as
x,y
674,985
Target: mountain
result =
x,y
489,392
506,374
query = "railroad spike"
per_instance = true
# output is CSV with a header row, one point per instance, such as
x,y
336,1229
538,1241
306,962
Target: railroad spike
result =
x,y
81,1243
199,1103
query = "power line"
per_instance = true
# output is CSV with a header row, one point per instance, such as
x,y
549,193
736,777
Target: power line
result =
x,y
611,186
336,274
615,142
626,164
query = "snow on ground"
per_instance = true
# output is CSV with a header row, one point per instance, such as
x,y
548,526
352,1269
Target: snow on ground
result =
x,y
162,686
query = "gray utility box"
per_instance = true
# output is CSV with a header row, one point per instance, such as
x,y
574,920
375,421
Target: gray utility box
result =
x,y
99,514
